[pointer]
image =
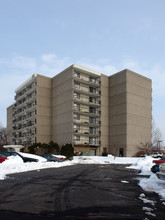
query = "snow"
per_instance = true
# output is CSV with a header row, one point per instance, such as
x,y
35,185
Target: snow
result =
x,y
150,183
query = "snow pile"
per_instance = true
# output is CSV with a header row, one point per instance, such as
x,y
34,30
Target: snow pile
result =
x,y
104,160
144,164
40,159
152,183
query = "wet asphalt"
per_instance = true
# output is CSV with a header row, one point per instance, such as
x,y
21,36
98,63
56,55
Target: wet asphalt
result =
x,y
78,192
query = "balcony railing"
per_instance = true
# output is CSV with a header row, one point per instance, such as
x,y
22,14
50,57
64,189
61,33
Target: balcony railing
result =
x,y
86,143
83,90
94,83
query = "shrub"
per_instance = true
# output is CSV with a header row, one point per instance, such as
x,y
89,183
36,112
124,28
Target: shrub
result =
x,y
38,148
67,150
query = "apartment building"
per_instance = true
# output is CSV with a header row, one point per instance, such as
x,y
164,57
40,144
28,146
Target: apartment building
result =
x,y
29,118
94,112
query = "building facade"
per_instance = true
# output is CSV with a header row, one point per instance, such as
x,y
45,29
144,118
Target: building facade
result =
x,y
94,112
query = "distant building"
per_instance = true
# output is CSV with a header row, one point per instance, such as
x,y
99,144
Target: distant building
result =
x,y
94,112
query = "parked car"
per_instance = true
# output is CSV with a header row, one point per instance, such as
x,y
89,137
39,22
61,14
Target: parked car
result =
x,y
161,173
155,168
51,158
25,159
2,158
156,154
162,160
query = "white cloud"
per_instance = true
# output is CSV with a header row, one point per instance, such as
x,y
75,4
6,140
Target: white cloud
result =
x,y
48,58
23,62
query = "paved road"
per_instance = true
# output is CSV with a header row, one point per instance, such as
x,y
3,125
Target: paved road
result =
x,y
76,192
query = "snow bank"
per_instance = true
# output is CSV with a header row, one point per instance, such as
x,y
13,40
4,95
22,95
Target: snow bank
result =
x,y
152,183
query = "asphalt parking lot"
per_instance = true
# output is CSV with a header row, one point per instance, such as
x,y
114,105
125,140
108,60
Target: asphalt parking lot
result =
x,y
77,192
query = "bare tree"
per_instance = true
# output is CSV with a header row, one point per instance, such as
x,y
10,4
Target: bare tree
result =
x,y
156,136
145,147
154,145
3,136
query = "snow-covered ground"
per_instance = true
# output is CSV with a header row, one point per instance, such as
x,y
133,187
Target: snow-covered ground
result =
x,y
153,184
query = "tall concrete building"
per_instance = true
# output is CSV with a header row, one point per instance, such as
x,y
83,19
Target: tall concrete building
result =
x,y
94,112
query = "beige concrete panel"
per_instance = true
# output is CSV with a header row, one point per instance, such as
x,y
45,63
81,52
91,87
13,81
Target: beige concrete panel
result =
x,y
117,89
139,120
118,129
138,79
62,108
118,119
44,120
62,77
9,124
139,110
43,130
44,101
43,91
118,139
104,101
63,88
104,131
104,120
42,110
139,100
117,78
43,138
118,109
139,90
118,99
104,81
138,130
43,81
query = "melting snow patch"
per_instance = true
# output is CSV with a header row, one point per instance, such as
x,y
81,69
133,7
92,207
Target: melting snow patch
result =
x,y
124,181
147,209
149,213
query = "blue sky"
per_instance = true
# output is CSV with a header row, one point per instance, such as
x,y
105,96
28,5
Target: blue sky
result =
x,y
46,36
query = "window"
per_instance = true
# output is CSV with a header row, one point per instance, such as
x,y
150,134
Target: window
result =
x,y
77,95
76,106
76,116
92,120
77,85
92,140
91,79
77,138
76,128
92,90
92,100
92,110
92,130
77,75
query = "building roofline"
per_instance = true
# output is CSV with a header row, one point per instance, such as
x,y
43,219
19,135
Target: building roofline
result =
x,y
128,70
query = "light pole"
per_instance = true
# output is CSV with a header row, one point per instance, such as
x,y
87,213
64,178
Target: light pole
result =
x,y
158,145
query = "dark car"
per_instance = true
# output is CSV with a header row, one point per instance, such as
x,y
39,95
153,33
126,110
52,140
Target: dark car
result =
x,y
2,158
25,159
155,168
50,158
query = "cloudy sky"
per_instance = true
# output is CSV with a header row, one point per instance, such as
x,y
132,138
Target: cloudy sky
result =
x,y
46,36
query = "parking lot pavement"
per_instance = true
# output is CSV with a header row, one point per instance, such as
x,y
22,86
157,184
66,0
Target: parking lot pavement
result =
x,y
77,192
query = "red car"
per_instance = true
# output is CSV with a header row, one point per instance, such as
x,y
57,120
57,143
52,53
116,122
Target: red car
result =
x,y
2,158
159,161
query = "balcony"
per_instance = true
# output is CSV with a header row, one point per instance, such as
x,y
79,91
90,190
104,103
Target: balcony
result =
x,y
86,101
86,143
95,82
84,91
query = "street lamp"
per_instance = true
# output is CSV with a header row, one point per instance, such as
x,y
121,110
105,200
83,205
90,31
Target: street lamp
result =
x,y
158,145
